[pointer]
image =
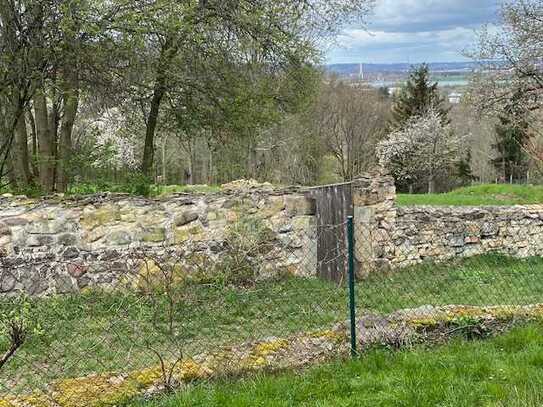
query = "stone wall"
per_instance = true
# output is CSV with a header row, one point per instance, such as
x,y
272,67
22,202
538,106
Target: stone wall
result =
x,y
60,246
429,233
393,237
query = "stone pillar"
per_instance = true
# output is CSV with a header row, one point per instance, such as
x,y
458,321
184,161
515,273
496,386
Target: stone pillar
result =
x,y
374,198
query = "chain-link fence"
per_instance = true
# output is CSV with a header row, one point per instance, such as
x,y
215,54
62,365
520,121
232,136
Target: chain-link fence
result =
x,y
152,318
167,316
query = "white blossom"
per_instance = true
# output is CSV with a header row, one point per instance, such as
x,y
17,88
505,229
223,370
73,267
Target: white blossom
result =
x,y
110,136
420,150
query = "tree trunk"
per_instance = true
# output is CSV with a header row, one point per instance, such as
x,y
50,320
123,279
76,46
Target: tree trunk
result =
x,y
167,53
35,171
10,173
46,158
19,154
70,97
431,185
54,118
152,119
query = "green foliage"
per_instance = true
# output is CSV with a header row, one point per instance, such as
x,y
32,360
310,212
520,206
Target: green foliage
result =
x,y
491,194
511,162
22,314
247,241
502,371
470,327
134,184
416,97
463,169
30,190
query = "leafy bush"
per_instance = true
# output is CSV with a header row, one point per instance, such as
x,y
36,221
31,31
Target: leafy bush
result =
x,y
247,240
137,184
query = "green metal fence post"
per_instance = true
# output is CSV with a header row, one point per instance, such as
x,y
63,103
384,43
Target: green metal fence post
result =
x,y
352,308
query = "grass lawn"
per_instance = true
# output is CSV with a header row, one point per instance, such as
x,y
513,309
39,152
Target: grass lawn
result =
x,y
100,332
492,194
503,371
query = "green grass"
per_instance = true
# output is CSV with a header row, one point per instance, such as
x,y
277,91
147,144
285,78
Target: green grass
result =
x,y
100,332
154,189
492,194
503,371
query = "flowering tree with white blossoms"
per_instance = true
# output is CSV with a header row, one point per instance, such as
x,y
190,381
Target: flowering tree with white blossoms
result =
x,y
115,141
420,150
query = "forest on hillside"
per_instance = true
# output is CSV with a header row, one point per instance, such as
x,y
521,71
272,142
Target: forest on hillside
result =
x,y
127,94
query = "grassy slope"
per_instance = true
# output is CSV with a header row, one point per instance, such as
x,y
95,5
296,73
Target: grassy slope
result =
x,y
503,371
97,333
479,195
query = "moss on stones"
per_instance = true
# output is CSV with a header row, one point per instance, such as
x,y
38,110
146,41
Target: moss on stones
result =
x,y
154,235
111,389
101,216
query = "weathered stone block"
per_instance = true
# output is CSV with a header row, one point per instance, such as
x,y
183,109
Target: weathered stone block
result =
x,y
186,217
64,284
39,240
472,240
456,240
299,205
154,235
67,239
489,229
303,222
76,270
34,283
4,230
101,216
273,206
7,281
181,235
16,221
119,238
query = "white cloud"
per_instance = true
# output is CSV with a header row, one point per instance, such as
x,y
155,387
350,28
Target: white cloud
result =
x,y
415,31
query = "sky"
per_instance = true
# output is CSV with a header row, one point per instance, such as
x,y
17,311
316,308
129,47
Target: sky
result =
x,y
415,31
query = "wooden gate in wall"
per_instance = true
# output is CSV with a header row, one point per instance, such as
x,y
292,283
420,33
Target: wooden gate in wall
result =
x,y
333,204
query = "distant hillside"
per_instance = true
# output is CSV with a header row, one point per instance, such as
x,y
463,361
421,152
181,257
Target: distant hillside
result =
x,y
435,67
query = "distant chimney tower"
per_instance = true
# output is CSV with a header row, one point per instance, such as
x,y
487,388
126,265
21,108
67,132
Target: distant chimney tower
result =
x,y
361,74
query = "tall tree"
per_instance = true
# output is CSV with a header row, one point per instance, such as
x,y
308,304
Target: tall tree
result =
x,y
511,161
416,97
463,169
509,85
193,48
350,122
27,35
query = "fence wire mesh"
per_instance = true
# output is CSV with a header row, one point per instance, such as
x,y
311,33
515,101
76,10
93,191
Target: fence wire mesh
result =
x,y
150,319
158,317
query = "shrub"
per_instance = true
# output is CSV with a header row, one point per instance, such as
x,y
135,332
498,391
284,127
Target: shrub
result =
x,y
247,242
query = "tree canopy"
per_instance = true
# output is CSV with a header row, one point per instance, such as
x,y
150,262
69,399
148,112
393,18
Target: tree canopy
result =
x,y
191,65
416,97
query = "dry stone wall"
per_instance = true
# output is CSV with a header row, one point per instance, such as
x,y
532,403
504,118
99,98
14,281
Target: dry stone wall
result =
x,y
428,233
393,237
61,246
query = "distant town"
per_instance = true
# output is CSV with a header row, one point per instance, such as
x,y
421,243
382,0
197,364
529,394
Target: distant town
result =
x,y
452,77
